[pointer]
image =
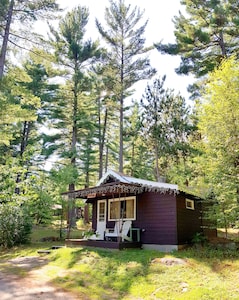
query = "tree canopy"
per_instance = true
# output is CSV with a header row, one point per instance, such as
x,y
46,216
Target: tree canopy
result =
x,y
218,124
205,34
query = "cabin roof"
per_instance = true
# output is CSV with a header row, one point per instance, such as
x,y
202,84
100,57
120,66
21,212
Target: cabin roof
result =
x,y
148,184
114,183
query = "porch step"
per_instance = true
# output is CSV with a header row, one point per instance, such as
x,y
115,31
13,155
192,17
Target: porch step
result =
x,y
44,251
57,247
48,251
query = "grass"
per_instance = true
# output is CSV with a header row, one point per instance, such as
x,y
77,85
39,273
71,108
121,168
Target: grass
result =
x,y
53,231
194,273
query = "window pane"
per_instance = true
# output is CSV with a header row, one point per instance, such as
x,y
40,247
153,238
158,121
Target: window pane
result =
x,y
115,210
130,209
101,211
122,208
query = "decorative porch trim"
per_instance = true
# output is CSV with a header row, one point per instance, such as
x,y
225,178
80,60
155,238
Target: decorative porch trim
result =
x,y
117,188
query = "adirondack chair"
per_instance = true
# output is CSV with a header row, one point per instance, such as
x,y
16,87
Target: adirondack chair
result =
x,y
120,231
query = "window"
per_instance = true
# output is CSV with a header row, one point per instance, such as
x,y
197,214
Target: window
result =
x,y
124,209
189,204
101,214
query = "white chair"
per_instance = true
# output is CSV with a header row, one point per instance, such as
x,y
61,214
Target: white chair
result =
x,y
120,231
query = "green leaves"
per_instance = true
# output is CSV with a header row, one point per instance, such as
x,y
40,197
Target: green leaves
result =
x,y
218,123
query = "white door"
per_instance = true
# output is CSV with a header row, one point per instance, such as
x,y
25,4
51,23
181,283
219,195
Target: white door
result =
x,y
101,219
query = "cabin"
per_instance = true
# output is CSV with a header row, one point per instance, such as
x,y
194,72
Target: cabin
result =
x,y
154,215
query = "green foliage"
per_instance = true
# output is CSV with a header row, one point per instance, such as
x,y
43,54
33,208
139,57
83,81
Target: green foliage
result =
x,y
41,200
126,60
73,114
199,238
15,224
167,126
136,145
204,36
16,19
16,104
218,123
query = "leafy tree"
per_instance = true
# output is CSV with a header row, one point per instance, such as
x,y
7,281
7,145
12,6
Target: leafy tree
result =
x,y
15,219
166,121
218,123
204,36
42,200
127,62
15,224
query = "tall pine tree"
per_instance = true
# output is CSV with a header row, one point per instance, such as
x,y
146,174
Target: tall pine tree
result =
x,y
206,34
127,60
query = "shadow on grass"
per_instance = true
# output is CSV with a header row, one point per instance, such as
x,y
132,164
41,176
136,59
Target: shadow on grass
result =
x,y
98,273
107,274
113,273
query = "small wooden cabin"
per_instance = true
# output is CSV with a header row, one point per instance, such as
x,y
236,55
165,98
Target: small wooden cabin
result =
x,y
163,217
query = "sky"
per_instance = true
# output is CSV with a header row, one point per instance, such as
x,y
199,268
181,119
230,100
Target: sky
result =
x,y
160,28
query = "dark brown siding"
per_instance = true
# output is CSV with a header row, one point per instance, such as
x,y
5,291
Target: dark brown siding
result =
x,y
188,221
156,216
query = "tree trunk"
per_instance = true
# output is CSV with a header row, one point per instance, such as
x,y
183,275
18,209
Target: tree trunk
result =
x,y
133,159
25,136
157,173
71,205
102,139
24,141
121,162
106,158
222,44
121,146
6,38
71,215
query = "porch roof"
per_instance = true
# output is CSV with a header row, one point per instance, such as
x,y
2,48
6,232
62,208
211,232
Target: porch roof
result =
x,y
112,188
115,183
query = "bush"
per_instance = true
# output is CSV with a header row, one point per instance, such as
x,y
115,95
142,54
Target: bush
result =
x,y
15,225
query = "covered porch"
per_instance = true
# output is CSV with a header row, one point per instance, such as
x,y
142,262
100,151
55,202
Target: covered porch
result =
x,y
112,203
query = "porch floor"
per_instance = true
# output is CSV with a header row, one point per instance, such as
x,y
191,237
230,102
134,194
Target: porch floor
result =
x,y
102,244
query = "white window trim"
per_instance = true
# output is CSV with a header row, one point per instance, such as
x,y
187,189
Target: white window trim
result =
x,y
189,204
122,199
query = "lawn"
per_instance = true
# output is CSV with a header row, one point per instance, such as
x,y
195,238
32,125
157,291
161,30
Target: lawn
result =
x,y
91,273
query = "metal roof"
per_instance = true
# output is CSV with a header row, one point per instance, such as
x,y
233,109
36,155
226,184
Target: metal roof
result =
x,y
142,182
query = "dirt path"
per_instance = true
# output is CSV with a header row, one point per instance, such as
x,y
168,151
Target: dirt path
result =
x,y
33,286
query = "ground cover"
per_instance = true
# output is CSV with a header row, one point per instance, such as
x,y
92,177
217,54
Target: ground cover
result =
x,y
199,272
194,273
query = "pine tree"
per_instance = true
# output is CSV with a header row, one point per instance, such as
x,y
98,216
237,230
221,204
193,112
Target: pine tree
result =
x,y
74,55
127,62
166,125
20,13
204,36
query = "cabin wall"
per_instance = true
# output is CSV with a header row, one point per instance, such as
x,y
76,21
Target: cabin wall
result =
x,y
156,217
189,221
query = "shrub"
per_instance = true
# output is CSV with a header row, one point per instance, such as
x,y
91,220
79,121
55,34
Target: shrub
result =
x,y
15,224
